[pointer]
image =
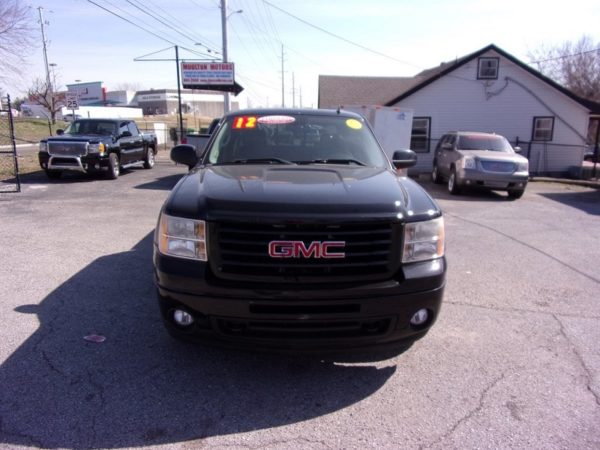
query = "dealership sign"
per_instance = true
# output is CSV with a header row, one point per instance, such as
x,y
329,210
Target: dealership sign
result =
x,y
217,76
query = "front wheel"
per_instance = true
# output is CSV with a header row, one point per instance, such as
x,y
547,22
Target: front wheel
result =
x,y
435,175
113,167
516,193
453,187
149,158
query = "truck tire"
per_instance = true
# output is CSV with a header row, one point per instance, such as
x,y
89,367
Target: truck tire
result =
x,y
113,167
53,174
435,174
149,158
514,194
453,187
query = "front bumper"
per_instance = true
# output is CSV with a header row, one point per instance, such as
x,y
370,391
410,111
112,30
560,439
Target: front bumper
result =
x,y
313,318
492,180
87,163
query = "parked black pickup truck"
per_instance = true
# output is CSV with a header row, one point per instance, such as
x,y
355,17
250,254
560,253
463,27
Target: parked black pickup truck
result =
x,y
293,231
92,145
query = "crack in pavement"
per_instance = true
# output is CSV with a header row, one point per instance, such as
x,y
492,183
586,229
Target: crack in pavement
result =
x,y
276,443
100,391
16,434
514,239
520,310
468,416
587,372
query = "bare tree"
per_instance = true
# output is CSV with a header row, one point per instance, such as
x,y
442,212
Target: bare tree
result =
x,y
575,65
16,36
46,95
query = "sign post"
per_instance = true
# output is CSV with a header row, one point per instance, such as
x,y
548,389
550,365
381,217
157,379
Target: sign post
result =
x,y
72,102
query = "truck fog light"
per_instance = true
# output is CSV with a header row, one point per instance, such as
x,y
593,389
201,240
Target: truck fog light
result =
x,y
182,318
420,317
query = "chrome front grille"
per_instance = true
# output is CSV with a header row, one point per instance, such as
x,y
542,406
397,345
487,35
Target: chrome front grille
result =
x,y
498,166
67,148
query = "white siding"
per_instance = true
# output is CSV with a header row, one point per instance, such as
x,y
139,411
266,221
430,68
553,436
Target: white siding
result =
x,y
507,106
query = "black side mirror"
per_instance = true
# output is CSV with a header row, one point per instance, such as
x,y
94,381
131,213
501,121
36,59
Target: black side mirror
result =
x,y
184,154
447,146
404,158
126,134
60,132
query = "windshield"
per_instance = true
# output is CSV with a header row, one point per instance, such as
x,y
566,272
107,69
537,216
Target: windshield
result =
x,y
484,142
296,139
87,127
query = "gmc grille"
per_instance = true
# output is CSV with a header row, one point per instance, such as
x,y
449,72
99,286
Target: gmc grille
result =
x,y
66,148
498,166
241,252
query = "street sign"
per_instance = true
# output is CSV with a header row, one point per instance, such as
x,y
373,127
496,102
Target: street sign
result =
x,y
72,100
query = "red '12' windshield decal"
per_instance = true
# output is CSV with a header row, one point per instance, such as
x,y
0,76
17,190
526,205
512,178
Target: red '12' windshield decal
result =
x,y
240,123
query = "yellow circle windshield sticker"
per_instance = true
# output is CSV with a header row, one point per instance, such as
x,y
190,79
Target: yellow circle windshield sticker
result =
x,y
354,124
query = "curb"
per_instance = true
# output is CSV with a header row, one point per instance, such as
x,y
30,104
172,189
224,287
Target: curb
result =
x,y
585,183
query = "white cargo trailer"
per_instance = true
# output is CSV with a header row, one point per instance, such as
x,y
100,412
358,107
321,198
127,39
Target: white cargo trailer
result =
x,y
392,126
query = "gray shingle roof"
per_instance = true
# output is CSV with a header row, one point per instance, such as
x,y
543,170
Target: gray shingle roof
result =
x,y
337,91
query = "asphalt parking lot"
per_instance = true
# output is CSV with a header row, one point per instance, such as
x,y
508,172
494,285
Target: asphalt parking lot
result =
x,y
513,361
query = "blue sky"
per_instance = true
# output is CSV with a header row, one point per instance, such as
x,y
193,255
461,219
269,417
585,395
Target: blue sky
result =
x,y
89,44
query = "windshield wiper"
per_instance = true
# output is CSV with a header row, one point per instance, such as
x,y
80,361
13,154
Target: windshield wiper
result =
x,y
261,161
334,161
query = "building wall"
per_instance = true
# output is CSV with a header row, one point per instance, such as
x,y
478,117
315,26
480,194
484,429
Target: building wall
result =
x,y
507,105
164,101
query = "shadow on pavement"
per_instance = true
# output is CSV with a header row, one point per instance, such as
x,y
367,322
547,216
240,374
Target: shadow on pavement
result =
x,y
586,201
139,387
165,183
440,192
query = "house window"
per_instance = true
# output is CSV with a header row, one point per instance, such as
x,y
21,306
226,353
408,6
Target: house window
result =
x,y
487,68
419,140
543,128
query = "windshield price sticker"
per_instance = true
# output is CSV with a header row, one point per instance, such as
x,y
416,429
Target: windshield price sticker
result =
x,y
276,120
244,122
354,124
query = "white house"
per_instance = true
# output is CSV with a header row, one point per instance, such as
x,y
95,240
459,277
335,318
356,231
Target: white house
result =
x,y
489,90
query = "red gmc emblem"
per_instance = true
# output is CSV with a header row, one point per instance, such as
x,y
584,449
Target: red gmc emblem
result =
x,y
298,249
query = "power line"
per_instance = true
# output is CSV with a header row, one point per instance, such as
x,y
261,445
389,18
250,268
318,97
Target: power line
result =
x,y
130,22
177,22
160,19
348,41
566,56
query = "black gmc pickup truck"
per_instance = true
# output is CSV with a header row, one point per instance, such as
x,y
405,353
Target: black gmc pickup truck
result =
x,y
91,145
293,231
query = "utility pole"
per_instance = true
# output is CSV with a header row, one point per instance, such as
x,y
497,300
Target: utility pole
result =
x,y
49,88
179,95
224,32
294,89
48,81
282,79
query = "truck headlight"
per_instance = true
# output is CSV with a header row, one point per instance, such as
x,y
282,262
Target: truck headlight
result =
x,y
469,163
423,240
97,148
523,166
43,147
183,238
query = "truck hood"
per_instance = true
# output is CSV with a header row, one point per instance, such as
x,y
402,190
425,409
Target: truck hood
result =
x,y
298,193
82,138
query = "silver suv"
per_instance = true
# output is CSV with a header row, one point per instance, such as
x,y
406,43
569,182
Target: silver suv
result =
x,y
479,160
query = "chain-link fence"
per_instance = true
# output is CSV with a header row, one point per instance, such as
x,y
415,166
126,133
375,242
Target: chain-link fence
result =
x,y
9,169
